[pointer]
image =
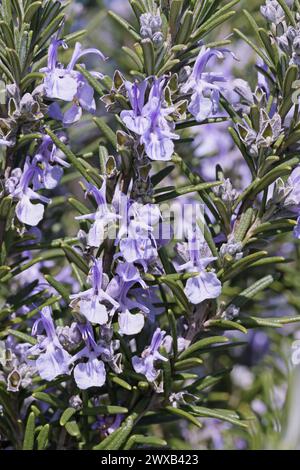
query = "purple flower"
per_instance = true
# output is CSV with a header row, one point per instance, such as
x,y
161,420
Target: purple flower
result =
x,y
127,276
50,160
91,373
137,242
67,84
272,11
28,213
52,359
205,87
91,301
145,364
150,300
101,218
108,424
205,285
149,120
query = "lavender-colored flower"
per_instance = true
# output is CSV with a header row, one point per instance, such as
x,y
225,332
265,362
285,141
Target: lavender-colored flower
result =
x,y
137,242
28,213
91,373
93,302
196,252
151,25
149,120
204,86
69,336
67,84
127,275
145,364
232,248
52,359
51,162
272,11
150,300
102,218
108,424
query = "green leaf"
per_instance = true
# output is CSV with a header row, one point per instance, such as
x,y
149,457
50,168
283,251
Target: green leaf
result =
x,y
208,381
185,28
79,206
149,56
186,190
115,440
138,8
106,131
202,343
253,24
174,17
222,347
248,294
270,260
161,175
289,79
106,410
179,294
50,29
226,325
285,224
22,336
256,49
121,382
271,49
75,258
52,300
240,265
91,79
224,415
31,10
28,442
15,64
211,24
254,322
137,439
188,363
134,57
72,428
182,414
47,398
58,286
43,437
125,25
67,415
243,225
69,154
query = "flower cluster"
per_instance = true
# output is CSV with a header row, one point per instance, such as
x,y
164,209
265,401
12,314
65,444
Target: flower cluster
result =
x,y
161,235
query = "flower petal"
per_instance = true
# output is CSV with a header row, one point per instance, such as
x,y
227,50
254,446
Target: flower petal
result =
x,y
90,374
131,324
28,213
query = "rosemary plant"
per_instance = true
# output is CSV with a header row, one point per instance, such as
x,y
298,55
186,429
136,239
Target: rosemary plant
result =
x,y
131,269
